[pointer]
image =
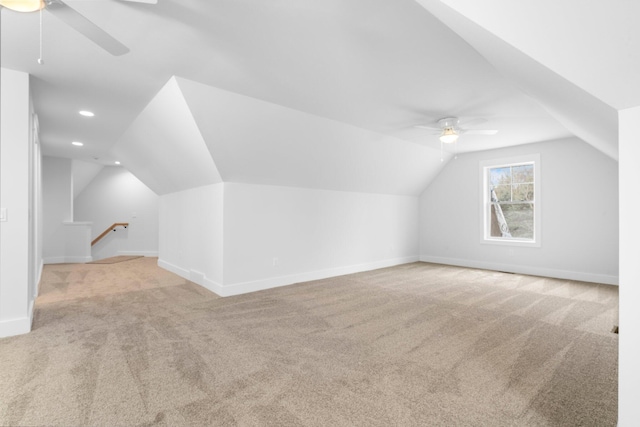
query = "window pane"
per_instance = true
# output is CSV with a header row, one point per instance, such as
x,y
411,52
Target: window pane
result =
x,y
523,192
499,176
519,218
503,193
522,173
498,226
509,201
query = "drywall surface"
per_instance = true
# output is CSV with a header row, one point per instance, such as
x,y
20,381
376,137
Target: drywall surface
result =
x,y
57,207
281,235
19,257
629,350
191,234
579,201
82,174
116,195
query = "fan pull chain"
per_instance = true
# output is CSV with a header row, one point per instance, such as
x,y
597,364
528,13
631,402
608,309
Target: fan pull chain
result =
x,y
441,152
40,60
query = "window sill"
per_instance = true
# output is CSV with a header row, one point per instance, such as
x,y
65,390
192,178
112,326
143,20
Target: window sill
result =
x,y
511,242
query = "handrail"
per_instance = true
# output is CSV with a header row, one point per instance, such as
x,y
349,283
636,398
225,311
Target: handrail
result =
x,y
105,232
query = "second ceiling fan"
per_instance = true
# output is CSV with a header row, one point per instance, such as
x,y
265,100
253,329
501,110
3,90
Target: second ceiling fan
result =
x,y
450,128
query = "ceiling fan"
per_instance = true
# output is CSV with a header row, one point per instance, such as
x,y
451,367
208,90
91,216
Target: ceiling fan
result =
x,y
74,19
450,128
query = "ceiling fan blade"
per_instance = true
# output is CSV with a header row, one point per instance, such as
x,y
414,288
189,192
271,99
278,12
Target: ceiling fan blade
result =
x,y
428,128
472,122
478,131
90,30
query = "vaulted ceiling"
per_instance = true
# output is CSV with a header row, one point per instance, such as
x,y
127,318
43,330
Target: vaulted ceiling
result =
x,y
322,94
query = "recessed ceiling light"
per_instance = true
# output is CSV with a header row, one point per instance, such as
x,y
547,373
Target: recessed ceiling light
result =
x,y
117,162
77,143
86,113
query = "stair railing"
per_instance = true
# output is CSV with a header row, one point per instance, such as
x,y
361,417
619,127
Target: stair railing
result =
x,y
112,228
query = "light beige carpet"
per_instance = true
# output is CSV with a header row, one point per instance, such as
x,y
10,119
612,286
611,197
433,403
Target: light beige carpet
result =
x,y
115,259
414,345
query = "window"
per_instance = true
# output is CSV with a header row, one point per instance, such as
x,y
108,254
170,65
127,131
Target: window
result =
x,y
510,201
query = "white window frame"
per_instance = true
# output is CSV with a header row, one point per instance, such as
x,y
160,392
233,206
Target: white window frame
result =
x,y
485,202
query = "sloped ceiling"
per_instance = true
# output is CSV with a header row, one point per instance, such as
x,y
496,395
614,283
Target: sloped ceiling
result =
x,y
314,85
163,147
594,45
254,141
537,53
380,65
191,135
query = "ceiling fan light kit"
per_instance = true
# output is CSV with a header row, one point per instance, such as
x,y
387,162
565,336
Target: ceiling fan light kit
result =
x,y
449,135
450,128
23,5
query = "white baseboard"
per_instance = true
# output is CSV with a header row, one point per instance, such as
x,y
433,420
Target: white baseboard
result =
x,y
202,280
68,260
525,269
152,254
192,275
173,268
274,282
19,326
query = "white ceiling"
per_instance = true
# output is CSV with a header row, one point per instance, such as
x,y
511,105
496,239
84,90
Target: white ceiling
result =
x,y
380,65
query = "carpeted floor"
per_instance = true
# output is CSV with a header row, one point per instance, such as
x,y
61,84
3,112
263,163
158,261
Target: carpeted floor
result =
x,y
115,259
414,345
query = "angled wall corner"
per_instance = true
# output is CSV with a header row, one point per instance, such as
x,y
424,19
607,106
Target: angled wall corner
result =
x,y
579,111
163,146
191,234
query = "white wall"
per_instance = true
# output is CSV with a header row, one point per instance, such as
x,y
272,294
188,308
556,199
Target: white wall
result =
x,y
57,207
281,235
20,194
273,236
579,196
191,234
83,173
116,195
629,369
